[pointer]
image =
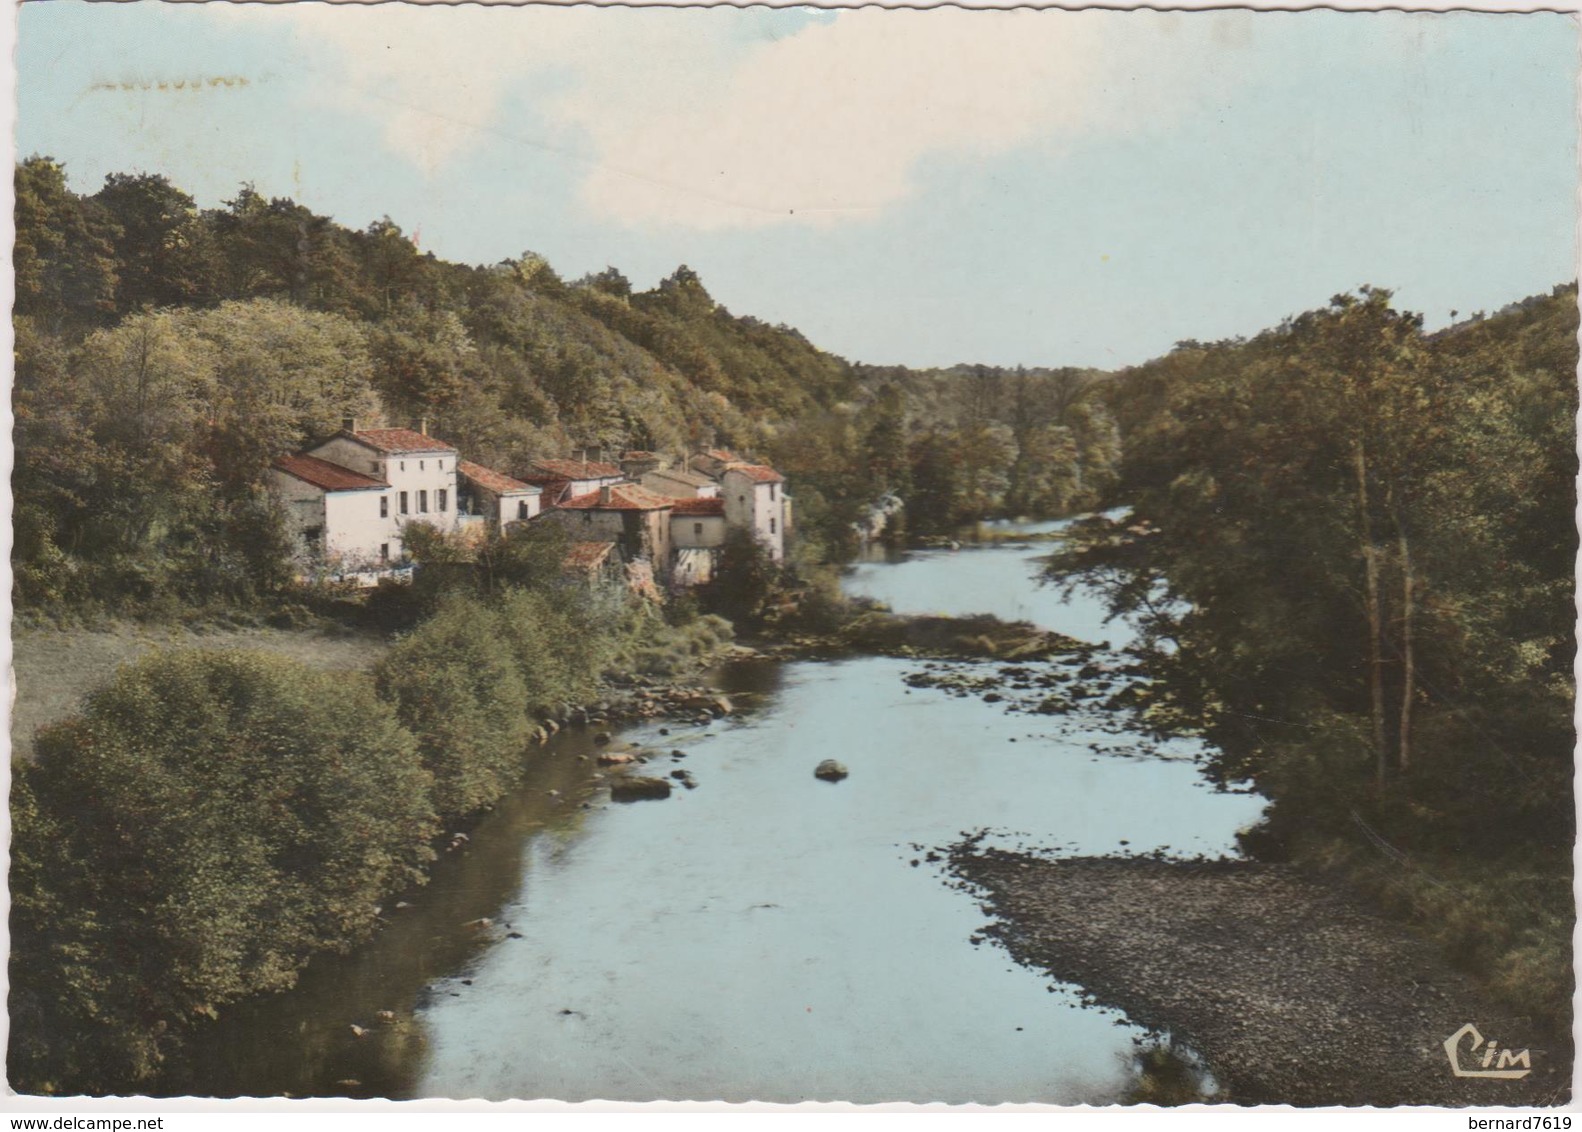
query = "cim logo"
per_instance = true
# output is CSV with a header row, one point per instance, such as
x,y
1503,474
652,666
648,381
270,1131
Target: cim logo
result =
x,y
1497,1063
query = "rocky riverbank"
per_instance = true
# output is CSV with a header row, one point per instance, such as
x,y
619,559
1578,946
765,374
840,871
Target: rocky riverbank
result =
x,y
1290,990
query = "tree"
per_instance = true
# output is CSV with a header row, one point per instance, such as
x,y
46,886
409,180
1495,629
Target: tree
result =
x,y
64,256
204,825
163,251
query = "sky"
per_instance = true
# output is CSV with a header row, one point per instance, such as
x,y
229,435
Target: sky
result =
x,y
921,188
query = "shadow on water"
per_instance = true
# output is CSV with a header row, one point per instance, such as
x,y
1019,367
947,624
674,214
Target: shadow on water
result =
x,y
1168,1073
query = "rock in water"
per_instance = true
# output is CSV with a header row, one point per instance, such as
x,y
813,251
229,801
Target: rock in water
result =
x,y
831,771
638,789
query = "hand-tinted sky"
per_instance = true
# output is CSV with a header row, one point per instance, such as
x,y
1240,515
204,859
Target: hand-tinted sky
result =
x,y
918,187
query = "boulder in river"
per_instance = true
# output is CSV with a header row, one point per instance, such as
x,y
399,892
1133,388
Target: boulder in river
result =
x,y
617,758
831,771
639,789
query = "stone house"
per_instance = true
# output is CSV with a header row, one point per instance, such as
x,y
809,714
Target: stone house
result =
x,y
632,517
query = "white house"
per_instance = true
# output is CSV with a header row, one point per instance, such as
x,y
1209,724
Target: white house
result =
x,y
351,497
755,499
497,498
334,512
697,531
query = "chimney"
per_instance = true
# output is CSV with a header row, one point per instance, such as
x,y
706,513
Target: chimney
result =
x,y
420,425
348,424
606,495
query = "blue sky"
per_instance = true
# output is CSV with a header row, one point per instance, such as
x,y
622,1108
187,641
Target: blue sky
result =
x,y
921,188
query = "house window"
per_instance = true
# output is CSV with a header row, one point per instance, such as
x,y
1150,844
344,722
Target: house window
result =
x,y
384,552
374,464
403,465
403,503
314,537
422,502
697,529
442,465
771,526
420,465
384,506
444,499
521,508
771,493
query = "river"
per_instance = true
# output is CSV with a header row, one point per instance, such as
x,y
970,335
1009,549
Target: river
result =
x,y
767,936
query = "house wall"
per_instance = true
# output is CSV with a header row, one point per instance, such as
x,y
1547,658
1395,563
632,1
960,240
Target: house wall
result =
x,y
591,526
354,532
697,531
692,566
758,507
507,511
304,505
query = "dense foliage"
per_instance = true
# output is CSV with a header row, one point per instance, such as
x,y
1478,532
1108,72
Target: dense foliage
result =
x,y
166,353
1352,547
207,822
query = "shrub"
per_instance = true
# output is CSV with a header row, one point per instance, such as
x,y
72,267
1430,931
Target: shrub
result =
x,y
206,823
456,684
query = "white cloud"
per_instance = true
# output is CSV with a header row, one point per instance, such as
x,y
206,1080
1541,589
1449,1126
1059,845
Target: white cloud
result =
x,y
679,118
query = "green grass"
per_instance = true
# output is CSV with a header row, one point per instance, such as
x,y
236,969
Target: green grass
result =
x,y
55,668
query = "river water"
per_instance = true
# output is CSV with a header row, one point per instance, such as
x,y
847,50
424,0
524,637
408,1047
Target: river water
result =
x,y
767,936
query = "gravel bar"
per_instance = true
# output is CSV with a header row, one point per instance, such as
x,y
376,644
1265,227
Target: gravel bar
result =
x,y
1291,991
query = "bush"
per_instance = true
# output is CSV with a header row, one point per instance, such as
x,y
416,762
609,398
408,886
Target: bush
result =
x,y
456,684
561,642
206,823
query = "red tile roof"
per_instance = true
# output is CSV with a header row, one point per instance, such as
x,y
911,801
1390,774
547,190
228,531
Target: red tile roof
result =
x,y
491,479
323,474
715,506
758,473
400,440
723,455
623,497
571,470
587,555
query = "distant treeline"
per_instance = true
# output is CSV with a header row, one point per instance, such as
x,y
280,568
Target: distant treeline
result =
x,y
166,353
1352,546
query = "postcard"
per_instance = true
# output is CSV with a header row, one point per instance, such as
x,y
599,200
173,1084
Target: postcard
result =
x,y
793,555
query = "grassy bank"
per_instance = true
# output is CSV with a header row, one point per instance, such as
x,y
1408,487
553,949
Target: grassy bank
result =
x,y
55,668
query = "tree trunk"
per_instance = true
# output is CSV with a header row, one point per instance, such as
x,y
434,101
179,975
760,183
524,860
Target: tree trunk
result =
x,y
1370,560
